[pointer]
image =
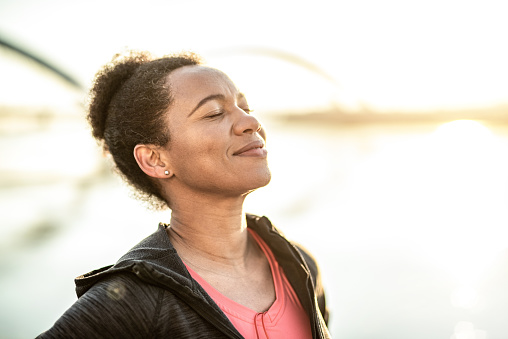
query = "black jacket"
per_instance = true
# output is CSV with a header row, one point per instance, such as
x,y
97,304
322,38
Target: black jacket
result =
x,y
149,293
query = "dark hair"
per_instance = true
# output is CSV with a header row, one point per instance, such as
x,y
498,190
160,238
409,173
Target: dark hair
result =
x,y
127,106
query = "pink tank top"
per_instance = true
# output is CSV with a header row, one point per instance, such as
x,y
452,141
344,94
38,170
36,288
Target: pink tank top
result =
x,y
286,318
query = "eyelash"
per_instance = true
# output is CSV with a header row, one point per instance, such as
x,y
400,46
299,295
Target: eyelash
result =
x,y
221,112
216,114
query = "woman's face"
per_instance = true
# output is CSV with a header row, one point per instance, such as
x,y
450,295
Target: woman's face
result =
x,y
216,145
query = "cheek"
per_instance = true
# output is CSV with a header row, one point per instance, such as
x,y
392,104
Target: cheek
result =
x,y
203,148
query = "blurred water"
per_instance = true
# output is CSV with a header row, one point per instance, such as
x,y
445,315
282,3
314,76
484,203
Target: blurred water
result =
x,y
408,223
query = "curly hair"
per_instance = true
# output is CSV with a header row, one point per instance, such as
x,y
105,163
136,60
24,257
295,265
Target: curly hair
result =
x,y
128,101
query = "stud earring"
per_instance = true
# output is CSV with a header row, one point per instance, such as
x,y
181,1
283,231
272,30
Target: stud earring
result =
x,y
166,172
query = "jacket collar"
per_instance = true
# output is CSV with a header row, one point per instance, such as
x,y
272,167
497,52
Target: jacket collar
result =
x,y
155,253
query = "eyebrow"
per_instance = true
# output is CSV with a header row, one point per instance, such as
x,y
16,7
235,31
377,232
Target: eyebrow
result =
x,y
213,97
205,100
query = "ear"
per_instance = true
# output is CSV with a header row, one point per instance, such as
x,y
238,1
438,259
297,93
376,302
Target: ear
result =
x,y
150,161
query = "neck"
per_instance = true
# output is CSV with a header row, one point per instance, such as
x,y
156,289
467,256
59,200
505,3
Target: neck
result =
x,y
214,230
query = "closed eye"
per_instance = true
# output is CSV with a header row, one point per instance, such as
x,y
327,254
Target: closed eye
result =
x,y
215,114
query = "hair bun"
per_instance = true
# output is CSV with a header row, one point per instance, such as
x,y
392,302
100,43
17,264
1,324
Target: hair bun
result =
x,y
106,84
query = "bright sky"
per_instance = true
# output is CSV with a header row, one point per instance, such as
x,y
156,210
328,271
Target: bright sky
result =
x,y
385,54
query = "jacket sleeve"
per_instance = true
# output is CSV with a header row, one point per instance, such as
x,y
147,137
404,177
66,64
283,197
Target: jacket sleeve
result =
x,y
316,279
117,307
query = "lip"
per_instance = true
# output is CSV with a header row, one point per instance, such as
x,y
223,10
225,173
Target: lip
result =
x,y
255,148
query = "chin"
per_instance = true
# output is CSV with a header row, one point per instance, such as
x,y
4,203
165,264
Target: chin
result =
x,y
268,178
257,181
263,179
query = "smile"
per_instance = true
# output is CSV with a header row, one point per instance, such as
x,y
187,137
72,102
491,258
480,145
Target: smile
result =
x,y
253,149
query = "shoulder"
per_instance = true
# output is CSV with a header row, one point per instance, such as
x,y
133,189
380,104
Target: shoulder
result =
x,y
121,305
118,305
309,259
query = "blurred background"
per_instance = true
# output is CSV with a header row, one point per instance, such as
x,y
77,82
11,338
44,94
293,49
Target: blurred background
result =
x,y
387,130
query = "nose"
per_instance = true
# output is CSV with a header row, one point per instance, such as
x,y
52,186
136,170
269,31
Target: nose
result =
x,y
246,123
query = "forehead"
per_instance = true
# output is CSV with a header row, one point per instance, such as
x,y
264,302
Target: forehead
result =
x,y
191,83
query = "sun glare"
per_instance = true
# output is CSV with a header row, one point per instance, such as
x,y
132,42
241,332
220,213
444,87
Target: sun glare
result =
x,y
467,330
463,130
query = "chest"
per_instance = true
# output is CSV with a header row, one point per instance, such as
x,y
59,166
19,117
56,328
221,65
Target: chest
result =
x,y
254,290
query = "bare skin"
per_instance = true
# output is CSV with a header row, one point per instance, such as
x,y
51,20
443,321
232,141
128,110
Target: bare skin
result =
x,y
219,248
205,173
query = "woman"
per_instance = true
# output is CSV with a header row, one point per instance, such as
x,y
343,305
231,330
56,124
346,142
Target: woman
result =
x,y
182,134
